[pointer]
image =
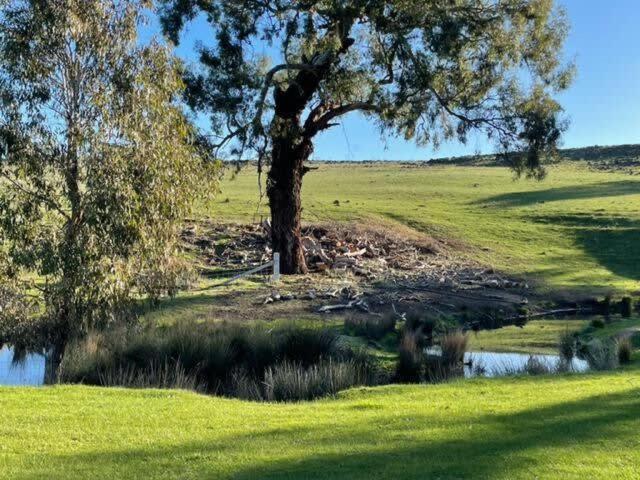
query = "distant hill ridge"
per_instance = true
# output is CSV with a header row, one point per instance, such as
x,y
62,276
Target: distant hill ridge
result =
x,y
607,156
615,155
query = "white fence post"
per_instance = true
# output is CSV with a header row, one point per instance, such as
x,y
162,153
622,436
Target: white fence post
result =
x,y
276,267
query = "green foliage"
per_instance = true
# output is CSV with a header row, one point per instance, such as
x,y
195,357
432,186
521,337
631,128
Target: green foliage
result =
x,y
626,307
286,381
567,345
425,70
601,354
97,165
410,359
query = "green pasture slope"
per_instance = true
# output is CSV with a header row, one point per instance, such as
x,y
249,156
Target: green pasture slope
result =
x,y
578,230
567,427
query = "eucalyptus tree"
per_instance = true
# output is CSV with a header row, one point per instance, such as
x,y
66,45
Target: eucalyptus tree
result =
x,y
97,167
275,73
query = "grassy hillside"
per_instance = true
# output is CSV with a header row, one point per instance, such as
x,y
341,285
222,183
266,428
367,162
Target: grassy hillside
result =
x,y
537,336
582,427
579,229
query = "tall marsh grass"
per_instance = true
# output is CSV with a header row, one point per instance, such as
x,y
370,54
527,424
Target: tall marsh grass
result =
x,y
222,359
287,381
625,350
454,345
601,354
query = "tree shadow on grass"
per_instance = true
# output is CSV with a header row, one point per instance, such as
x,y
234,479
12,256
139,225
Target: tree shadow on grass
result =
x,y
581,192
613,242
393,446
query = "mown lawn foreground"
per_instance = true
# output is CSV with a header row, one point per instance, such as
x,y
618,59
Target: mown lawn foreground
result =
x,y
545,427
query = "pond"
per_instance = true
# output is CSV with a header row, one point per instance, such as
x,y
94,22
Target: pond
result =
x,y
30,371
496,364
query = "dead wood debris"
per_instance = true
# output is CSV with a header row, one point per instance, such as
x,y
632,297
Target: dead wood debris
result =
x,y
407,267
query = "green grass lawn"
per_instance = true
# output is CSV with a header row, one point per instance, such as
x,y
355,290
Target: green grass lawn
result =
x,y
577,230
544,427
538,336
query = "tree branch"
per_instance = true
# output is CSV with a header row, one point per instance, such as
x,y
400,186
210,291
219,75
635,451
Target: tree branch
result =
x,y
321,117
268,81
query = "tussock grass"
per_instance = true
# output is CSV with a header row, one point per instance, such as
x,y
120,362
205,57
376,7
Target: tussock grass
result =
x,y
601,354
410,358
625,351
454,345
222,359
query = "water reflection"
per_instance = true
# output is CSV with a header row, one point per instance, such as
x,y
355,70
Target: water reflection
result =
x,y
29,372
497,364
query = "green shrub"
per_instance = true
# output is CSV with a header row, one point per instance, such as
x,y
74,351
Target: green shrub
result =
x,y
437,371
605,306
535,366
597,323
167,375
625,351
567,346
425,326
601,355
221,359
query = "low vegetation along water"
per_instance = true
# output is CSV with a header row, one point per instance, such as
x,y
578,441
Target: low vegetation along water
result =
x,y
30,371
496,364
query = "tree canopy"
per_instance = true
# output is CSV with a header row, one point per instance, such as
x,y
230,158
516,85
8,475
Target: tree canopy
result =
x,y
97,166
276,73
428,70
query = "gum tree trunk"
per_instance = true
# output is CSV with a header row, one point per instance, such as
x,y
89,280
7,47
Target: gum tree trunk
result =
x,y
292,147
290,151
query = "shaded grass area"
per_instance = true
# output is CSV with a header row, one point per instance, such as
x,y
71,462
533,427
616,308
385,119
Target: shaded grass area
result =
x,y
577,230
538,336
614,328
543,427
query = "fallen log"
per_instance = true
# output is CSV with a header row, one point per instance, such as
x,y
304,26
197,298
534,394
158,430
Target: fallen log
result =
x,y
357,253
359,304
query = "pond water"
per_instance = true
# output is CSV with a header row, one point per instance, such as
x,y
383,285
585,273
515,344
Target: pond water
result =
x,y
496,364
30,371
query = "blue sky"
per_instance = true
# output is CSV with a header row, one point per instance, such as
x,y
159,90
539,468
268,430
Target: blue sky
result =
x,y
603,105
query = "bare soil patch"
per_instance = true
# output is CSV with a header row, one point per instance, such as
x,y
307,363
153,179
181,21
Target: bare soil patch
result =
x,y
357,268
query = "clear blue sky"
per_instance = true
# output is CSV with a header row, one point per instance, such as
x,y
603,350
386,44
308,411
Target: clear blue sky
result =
x,y
603,104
